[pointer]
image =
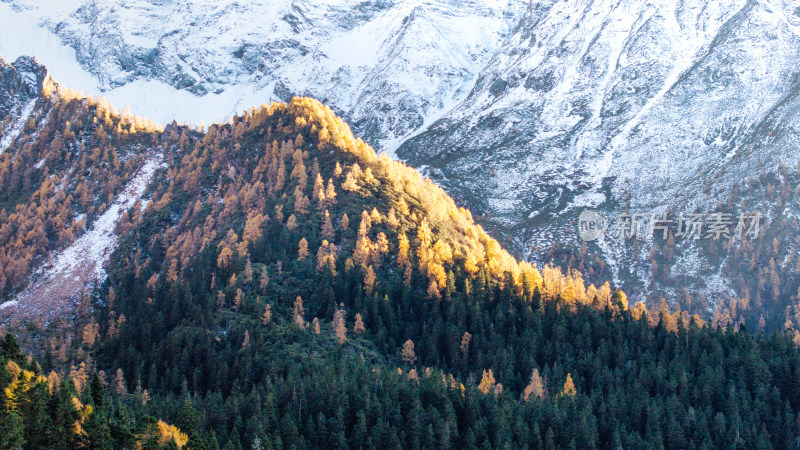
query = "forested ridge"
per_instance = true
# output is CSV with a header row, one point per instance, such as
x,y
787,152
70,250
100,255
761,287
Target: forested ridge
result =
x,y
285,287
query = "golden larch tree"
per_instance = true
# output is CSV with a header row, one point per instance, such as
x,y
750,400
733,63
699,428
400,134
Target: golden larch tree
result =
x,y
408,353
487,382
319,189
267,316
302,249
291,222
330,192
327,227
237,301
246,340
339,326
359,328
465,341
298,315
569,387
315,324
263,280
535,387
369,280
391,219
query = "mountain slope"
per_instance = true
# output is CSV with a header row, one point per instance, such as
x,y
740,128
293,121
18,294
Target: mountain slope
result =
x,y
51,211
61,172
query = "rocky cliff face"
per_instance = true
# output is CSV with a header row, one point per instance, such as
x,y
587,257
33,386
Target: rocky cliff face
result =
x,y
22,80
21,84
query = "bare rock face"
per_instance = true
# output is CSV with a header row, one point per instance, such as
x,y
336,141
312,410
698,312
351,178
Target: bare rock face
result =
x,y
20,82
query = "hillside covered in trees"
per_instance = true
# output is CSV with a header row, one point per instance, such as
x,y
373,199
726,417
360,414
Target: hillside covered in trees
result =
x,y
38,411
280,285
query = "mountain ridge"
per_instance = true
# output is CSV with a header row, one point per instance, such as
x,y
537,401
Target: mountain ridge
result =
x,y
427,206
297,48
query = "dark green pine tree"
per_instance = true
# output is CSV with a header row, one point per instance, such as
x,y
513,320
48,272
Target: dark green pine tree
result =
x,y
196,442
39,430
212,441
64,416
12,431
11,350
188,419
96,392
98,433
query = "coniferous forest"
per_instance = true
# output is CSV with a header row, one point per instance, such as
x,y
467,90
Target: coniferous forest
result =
x,y
285,287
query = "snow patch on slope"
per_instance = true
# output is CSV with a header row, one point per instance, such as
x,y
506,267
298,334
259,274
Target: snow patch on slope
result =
x,y
82,263
96,245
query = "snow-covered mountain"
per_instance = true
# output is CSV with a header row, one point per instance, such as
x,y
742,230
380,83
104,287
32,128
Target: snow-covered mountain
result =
x,y
625,106
407,60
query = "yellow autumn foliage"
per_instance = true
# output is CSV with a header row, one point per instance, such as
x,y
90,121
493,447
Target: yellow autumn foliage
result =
x,y
169,432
